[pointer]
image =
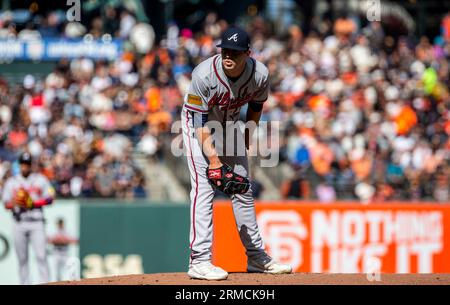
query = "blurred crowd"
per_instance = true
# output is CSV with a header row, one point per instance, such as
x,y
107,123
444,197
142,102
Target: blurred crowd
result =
x,y
81,122
23,24
363,115
54,120
367,115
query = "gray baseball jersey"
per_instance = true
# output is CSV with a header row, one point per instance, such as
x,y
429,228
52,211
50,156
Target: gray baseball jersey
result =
x,y
29,225
39,188
212,94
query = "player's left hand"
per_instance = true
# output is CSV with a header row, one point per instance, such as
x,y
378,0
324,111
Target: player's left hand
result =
x,y
23,199
227,181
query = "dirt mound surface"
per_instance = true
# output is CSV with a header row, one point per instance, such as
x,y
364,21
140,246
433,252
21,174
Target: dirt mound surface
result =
x,y
269,279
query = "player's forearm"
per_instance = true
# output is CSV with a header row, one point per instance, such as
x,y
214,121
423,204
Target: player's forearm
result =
x,y
252,115
205,140
41,202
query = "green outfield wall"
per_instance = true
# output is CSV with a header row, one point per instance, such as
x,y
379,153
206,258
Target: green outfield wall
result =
x,y
115,238
133,238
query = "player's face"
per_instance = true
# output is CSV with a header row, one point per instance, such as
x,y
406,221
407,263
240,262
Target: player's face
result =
x,y
233,59
25,169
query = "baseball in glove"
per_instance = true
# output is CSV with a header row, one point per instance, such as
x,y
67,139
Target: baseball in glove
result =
x,y
227,181
23,199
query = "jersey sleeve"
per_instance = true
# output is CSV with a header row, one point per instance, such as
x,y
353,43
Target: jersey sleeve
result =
x,y
46,187
47,192
262,82
196,98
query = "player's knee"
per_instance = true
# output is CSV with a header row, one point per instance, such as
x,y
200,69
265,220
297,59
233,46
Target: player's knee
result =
x,y
23,259
41,258
244,199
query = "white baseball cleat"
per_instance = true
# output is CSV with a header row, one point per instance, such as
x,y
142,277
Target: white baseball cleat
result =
x,y
271,267
207,271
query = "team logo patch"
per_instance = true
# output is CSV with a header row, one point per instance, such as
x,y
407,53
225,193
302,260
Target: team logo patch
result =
x,y
194,100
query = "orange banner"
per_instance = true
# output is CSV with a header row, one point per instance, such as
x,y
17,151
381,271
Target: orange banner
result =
x,y
342,238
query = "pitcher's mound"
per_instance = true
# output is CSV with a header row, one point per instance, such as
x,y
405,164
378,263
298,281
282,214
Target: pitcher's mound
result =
x,y
269,279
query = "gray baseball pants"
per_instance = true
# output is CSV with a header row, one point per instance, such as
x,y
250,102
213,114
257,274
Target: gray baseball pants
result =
x,y
201,195
26,232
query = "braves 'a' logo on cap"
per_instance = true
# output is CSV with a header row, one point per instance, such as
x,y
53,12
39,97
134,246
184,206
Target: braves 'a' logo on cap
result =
x,y
234,37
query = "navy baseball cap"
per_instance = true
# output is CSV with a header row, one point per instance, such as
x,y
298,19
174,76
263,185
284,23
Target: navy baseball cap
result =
x,y
235,38
25,158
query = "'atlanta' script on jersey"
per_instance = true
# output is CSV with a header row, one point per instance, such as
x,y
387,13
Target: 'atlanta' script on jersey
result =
x,y
224,101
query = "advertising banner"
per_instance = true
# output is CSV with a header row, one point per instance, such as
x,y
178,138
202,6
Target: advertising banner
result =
x,y
55,49
342,238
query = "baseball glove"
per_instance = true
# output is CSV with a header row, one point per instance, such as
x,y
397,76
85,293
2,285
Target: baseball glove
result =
x,y
227,181
22,199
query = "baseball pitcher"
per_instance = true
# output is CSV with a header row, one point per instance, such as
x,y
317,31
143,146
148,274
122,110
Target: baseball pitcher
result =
x,y
25,195
220,86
